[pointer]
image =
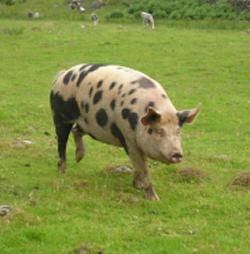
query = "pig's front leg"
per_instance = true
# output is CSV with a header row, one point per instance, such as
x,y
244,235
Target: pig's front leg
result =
x,y
141,174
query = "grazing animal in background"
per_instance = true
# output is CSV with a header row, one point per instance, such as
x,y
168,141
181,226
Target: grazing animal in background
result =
x,y
35,15
81,9
76,4
94,19
119,106
148,19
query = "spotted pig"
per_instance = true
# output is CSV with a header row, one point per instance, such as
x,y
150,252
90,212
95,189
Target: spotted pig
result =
x,y
119,106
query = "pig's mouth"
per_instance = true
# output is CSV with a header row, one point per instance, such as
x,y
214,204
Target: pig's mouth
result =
x,y
172,158
176,158
167,159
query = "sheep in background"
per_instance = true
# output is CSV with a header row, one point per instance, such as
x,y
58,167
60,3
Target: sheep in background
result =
x,y
148,19
81,9
34,15
94,19
76,4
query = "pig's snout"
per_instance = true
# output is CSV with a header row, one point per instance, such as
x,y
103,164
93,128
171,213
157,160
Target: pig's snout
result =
x,y
173,157
176,157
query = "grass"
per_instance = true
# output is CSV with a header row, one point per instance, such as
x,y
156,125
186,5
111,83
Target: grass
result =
x,y
93,207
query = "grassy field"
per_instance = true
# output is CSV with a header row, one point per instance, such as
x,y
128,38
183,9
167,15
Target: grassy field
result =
x,y
93,208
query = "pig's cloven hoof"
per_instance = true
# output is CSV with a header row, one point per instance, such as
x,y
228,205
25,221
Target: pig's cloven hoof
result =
x,y
61,166
138,184
79,154
150,194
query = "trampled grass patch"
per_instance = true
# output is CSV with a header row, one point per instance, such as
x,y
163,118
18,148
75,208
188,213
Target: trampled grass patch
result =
x,y
91,207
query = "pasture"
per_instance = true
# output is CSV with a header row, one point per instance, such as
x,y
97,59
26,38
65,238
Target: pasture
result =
x,y
90,206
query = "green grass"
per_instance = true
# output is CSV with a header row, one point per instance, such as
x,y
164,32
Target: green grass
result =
x,y
92,207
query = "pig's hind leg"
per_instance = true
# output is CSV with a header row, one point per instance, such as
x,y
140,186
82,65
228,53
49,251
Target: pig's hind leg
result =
x,y
80,147
62,132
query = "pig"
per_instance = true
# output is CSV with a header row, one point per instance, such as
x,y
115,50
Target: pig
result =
x,y
120,106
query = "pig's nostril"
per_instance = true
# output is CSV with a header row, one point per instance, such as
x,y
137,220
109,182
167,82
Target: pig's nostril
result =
x,y
176,157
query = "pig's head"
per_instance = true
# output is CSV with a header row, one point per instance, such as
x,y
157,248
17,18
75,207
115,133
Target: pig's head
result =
x,y
159,136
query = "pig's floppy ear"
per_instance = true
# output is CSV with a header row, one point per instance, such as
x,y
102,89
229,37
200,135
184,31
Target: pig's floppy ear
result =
x,y
152,116
187,116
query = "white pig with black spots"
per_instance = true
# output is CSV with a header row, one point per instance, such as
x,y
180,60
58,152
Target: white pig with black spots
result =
x,y
120,106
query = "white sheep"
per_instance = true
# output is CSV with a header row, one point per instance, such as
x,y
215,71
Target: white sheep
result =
x,y
148,19
94,18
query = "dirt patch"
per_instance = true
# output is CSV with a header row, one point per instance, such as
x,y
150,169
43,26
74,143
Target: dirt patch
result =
x,y
21,216
87,250
190,175
242,179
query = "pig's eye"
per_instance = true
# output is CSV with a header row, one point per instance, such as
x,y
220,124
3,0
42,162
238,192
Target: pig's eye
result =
x,y
161,132
150,131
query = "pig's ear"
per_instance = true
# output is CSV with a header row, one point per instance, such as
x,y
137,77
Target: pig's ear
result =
x,y
187,116
152,116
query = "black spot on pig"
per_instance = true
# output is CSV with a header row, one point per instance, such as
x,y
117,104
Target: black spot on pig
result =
x,y
118,134
73,77
120,87
132,117
112,104
133,101
133,120
112,85
99,84
85,72
80,78
67,77
144,83
83,67
90,92
125,113
64,110
97,97
101,117
131,91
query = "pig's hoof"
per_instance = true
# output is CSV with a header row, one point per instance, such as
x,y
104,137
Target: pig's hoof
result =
x,y
150,194
79,154
61,166
139,183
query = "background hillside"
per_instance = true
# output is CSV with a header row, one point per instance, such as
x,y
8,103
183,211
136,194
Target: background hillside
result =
x,y
129,9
